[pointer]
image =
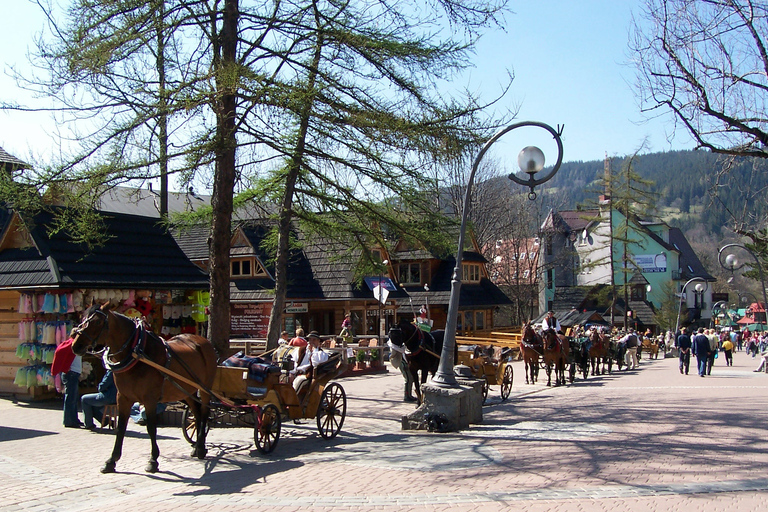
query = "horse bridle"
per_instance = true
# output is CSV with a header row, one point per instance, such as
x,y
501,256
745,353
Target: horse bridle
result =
x,y
80,329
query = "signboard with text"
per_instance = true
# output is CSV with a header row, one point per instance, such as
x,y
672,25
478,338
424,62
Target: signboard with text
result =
x,y
250,319
651,262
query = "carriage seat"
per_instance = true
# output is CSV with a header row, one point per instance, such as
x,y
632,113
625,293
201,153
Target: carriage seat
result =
x,y
330,365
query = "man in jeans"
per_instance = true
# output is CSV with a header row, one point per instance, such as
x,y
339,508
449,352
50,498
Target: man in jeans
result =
x,y
684,348
701,351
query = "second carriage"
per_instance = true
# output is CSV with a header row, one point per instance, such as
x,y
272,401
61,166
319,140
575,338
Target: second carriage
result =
x,y
490,360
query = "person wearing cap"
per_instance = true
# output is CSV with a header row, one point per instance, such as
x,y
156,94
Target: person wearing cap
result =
x,y
314,355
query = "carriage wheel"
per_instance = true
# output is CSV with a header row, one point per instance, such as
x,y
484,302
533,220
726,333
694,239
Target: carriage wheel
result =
x,y
331,411
188,427
267,430
506,382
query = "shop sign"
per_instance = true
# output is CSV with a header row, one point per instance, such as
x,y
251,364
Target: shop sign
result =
x,y
250,319
297,307
375,312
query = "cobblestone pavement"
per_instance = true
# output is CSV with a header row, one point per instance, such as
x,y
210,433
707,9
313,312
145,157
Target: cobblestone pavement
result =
x,y
644,440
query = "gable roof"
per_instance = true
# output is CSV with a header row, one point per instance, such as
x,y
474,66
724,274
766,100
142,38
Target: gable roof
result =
x,y
690,265
8,162
139,253
146,202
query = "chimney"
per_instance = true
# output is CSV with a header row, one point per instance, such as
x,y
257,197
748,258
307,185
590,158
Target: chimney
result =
x,y
607,176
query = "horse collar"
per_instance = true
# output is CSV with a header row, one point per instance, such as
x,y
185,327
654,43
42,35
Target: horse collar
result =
x,y
135,344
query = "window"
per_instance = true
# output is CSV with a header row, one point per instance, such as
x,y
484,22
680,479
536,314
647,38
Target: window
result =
x,y
479,320
471,272
550,279
246,268
376,255
526,274
531,256
241,268
409,273
522,255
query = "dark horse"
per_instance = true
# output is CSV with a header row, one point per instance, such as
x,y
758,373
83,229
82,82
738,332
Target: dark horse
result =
x,y
424,349
556,349
531,348
130,350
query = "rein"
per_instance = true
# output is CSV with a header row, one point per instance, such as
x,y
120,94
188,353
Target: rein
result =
x,y
136,341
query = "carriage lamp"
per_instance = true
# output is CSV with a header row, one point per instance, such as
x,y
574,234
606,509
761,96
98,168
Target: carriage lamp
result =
x,y
531,161
732,263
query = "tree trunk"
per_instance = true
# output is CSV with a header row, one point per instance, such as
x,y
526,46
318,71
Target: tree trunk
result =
x,y
224,181
284,222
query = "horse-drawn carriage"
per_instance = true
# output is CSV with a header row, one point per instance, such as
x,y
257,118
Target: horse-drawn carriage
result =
x,y
261,396
490,363
650,345
184,368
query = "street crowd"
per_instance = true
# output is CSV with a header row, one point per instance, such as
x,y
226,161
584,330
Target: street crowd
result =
x,y
706,345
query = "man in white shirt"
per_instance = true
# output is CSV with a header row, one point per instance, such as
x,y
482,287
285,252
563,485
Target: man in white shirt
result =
x,y
550,322
313,356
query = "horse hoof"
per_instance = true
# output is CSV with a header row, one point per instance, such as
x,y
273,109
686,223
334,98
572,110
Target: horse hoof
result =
x,y
152,467
199,453
109,467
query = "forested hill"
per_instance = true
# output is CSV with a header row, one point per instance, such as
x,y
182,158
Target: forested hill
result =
x,y
683,183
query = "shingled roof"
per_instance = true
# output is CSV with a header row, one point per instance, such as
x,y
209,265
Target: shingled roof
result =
x,y
139,253
321,270
8,162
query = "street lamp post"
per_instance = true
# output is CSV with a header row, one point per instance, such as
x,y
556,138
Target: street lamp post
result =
x,y
682,296
715,312
380,297
732,263
531,161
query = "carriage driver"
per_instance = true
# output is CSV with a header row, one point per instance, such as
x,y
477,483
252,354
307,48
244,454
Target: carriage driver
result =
x,y
313,357
551,323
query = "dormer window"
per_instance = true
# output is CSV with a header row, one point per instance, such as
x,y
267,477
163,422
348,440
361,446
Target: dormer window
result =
x,y
471,272
241,268
246,267
409,273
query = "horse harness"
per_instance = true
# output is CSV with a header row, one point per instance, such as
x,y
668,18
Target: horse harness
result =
x,y
421,348
136,343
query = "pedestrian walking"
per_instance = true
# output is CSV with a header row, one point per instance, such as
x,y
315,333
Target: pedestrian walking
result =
x,y
728,351
684,349
701,351
713,346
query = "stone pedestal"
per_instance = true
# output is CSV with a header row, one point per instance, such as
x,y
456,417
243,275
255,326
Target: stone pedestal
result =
x,y
457,406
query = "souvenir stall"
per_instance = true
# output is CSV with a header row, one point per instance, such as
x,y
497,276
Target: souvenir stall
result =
x,y
45,320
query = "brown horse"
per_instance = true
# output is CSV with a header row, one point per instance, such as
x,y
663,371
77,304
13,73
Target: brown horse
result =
x,y
130,353
555,356
531,348
598,353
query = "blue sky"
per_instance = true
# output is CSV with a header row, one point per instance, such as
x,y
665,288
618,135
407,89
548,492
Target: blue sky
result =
x,y
569,59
